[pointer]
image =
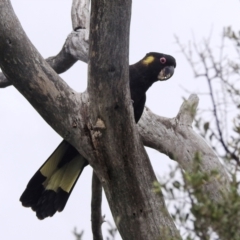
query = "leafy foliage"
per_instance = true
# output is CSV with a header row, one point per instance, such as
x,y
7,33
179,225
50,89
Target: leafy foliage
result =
x,y
197,216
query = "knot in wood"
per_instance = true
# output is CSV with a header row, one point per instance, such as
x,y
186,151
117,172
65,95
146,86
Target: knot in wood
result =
x,y
99,125
74,123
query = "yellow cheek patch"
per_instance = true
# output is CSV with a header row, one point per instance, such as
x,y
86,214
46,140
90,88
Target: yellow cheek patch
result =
x,y
148,60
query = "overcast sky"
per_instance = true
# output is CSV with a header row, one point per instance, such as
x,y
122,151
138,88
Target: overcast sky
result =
x,y
27,141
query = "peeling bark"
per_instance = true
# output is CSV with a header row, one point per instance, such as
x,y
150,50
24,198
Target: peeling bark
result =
x,y
80,14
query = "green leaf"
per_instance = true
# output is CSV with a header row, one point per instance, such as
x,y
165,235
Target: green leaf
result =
x,y
206,126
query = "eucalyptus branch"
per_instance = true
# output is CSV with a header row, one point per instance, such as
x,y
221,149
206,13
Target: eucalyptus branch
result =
x,y
75,47
57,103
81,16
96,205
175,137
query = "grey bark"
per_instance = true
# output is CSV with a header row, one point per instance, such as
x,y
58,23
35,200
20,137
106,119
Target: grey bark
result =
x,y
71,52
96,208
175,138
56,102
75,48
121,156
80,15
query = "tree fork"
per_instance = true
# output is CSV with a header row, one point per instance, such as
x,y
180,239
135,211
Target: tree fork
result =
x,y
40,85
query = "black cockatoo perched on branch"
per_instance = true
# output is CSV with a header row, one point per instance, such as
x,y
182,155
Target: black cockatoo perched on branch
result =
x,y
50,187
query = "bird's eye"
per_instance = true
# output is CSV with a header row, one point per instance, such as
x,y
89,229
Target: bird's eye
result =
x,y
163,60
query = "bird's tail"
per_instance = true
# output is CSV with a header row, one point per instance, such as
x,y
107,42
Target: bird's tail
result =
x,y
50,187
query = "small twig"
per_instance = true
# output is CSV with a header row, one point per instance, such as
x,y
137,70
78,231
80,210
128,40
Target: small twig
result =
x,y
96,203
215,112
78,235
218,69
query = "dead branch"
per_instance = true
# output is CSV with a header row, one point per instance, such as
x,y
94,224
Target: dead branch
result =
x,y
176,138
76,45
96,205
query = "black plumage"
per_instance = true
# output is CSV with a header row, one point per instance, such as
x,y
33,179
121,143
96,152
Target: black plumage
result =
x,y
152,68
50,187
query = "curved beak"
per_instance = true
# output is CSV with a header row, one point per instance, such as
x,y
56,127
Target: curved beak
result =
x,y
166,73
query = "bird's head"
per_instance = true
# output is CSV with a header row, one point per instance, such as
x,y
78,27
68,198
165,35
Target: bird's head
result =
x,y
161,66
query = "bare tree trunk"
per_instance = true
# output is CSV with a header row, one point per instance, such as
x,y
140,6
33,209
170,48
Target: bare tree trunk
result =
x,y
121,156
